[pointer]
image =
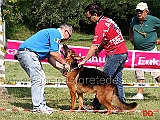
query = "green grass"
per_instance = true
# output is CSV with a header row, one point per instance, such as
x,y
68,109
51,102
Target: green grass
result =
x,y
59,98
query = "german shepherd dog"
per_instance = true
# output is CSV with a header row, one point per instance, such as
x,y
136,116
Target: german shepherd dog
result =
x,y
90,80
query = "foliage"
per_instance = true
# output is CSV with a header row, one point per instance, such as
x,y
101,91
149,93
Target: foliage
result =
x,y
33,15
121,11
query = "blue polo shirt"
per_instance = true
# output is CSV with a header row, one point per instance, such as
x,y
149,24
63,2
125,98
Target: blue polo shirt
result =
x,y
149,26
43,42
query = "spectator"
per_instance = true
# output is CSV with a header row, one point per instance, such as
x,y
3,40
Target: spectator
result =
x,y
115,47
43,44
143,35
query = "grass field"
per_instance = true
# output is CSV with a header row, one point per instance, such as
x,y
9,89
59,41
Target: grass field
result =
x,y
59,98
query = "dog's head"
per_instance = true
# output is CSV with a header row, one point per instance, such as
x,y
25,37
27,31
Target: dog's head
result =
x,y
70,56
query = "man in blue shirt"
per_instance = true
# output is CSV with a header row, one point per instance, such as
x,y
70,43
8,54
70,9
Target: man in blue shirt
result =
x,y
43,44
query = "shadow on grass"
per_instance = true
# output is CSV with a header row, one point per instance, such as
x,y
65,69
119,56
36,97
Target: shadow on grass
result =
x,y
65,104
22,97
23,105
62,104
19,92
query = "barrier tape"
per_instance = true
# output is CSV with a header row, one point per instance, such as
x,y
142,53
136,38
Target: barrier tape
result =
x,y
63,85
94,111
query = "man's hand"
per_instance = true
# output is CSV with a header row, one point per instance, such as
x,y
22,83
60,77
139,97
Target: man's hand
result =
x,y
67,66
81,63
64,71
158,42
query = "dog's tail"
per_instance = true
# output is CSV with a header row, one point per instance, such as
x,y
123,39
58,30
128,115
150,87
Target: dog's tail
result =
x,y
121,104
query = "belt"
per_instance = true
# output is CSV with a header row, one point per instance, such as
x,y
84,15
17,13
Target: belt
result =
x,y
26,49
23,49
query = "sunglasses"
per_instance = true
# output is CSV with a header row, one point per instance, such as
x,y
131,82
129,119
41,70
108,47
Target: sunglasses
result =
x,y
88,17
68,33
138,10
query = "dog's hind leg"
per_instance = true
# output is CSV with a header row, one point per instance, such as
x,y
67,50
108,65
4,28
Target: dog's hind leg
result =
x,y
105,99
80,100
107,104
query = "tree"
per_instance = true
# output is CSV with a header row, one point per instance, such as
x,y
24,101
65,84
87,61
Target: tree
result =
x,y
38,14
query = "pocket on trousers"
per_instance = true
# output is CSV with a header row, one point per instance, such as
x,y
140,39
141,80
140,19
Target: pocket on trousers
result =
x,y
36,63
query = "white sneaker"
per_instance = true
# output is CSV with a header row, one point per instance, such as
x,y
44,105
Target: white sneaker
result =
x,y
138,96
49,108
46,110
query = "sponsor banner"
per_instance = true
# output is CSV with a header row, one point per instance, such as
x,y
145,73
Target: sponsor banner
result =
x,y
137,60
11,49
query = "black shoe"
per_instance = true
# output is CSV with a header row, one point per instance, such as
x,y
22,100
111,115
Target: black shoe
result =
x,y
96,104
87,107
117,108
90,107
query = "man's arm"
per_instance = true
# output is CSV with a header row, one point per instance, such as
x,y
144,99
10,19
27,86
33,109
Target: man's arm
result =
x,y
131,35
56,56
90,53
52,61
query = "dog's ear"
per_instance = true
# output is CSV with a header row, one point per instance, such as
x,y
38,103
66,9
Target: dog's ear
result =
x,y
65,47
64,50
77,57
61,52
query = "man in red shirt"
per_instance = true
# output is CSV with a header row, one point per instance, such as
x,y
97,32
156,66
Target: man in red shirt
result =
x,y
115,47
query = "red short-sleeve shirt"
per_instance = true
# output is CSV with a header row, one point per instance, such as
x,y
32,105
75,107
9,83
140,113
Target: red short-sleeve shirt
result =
x,y
108,28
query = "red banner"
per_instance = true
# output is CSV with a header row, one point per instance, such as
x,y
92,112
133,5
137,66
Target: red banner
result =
x,y
137,60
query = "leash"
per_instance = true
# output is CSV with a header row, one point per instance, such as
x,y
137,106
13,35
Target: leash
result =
x,y
97,61
73,69
70,70
100,48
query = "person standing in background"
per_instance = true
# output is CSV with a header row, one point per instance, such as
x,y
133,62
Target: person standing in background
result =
x,y
143,36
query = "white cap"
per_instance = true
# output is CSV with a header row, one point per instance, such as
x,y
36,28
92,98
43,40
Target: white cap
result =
x,y
142,6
